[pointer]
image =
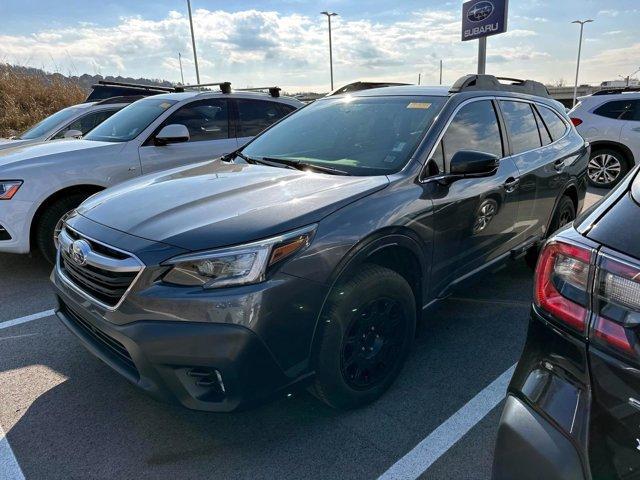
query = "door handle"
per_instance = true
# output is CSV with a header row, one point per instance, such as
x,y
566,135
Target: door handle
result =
x,y
559,165
133,169
511,184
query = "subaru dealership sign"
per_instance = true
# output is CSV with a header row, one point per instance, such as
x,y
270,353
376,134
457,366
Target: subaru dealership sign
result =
x,y
481,18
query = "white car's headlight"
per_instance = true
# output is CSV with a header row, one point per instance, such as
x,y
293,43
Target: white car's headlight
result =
x,y
8,188
239,265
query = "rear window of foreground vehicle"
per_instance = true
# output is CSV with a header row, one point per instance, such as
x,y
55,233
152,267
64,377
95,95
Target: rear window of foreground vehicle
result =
x,y
359,135
129,122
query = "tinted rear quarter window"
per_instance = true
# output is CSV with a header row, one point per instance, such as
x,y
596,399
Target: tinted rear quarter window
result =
x,y
474,127
521,125
557,127
617,110
545,136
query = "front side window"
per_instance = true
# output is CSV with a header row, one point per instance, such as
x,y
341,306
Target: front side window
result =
x,y
49,123
521,126
617,110
86,123
557,127
358,135
256,115
475,127
205,119
129,122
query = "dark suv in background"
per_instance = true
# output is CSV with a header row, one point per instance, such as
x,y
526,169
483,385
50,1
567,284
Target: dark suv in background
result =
x,y
307,256
573,409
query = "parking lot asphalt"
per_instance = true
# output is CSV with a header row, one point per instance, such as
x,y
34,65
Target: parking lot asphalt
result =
x,y
68,416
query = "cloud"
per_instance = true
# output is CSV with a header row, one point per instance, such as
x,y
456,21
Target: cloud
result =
x,y
254,47
609,13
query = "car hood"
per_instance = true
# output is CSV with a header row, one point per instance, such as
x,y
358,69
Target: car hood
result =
x,y
218,204
20,154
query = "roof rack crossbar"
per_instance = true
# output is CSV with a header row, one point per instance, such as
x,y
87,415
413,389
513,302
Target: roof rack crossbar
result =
x,y
273,91
137,85
490,82
225,87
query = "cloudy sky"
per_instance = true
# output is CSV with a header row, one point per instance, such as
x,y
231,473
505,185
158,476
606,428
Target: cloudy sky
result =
x,y
255,43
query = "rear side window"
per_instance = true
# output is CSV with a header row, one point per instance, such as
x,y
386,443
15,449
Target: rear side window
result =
x,y
521,125
286,109
86,123
256,115
618,110
475,127
557,127
545,136
205,119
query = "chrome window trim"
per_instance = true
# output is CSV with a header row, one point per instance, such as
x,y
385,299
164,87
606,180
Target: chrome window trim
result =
x,y
67,281
490,98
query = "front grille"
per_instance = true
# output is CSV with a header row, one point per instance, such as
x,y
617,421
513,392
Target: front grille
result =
x,y
104,342
100,283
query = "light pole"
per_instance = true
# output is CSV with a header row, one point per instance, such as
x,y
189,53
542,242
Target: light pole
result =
x,y
329,15
575,88
193,42
181,74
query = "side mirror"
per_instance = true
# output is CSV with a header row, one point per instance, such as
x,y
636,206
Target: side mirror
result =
x,y
72,134
174,133
471,163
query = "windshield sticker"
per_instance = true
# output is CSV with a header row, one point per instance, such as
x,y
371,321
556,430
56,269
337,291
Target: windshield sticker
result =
x,y
399,147
389,159
164,105
420,105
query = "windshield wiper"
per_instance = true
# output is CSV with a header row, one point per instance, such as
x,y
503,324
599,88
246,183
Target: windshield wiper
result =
x,y
230,156
297,164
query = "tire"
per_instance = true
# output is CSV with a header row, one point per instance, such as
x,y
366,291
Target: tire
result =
x,y
368,327
606,168
564,213
46,226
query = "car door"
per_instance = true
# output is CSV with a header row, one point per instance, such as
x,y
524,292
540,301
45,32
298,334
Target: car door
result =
x,y
253,116
473,218
208,122
540,164
630,135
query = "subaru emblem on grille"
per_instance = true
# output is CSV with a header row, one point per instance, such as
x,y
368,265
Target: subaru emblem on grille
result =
x,y
78,251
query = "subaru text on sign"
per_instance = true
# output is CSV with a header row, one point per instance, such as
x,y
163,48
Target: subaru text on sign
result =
x,y
482,18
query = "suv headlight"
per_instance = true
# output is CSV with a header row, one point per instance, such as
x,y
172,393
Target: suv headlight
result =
x,y
239,265
8,188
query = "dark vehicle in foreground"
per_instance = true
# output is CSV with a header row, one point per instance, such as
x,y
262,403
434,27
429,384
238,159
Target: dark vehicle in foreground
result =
x,y
306,257
573,409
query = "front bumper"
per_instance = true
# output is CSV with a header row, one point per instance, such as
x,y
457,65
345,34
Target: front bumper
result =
x,y
15,219
213,367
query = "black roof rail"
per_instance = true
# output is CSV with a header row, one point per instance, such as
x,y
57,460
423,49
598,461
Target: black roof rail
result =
x,y
359,86
273,91
121,99
614,90
225,87
137,85
492,83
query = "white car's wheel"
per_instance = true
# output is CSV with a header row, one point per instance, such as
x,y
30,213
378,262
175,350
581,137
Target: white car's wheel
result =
x,y
606,168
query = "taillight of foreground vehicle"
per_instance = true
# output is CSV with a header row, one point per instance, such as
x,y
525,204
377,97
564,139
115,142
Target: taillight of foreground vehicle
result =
x,y
562,283
576,121
616,305
566,289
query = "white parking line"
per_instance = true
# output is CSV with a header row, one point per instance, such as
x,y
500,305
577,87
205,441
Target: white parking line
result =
x,y
423,455
28,318
9,466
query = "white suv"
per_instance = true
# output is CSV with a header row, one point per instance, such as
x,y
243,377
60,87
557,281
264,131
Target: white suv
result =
x,y
610,121
70,122
40,183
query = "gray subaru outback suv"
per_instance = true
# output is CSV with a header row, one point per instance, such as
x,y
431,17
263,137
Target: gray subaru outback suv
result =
x,y
306,257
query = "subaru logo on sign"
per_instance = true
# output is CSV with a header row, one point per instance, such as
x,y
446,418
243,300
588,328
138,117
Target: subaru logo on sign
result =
x,y
480,11
78,251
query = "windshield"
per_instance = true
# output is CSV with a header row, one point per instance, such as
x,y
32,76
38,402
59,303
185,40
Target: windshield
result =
x,y
358,135
130,121
50,123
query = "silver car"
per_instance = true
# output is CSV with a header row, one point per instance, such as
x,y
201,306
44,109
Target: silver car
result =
x,y
40,183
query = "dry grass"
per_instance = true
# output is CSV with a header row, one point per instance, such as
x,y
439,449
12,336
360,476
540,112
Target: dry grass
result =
x,y
26,98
